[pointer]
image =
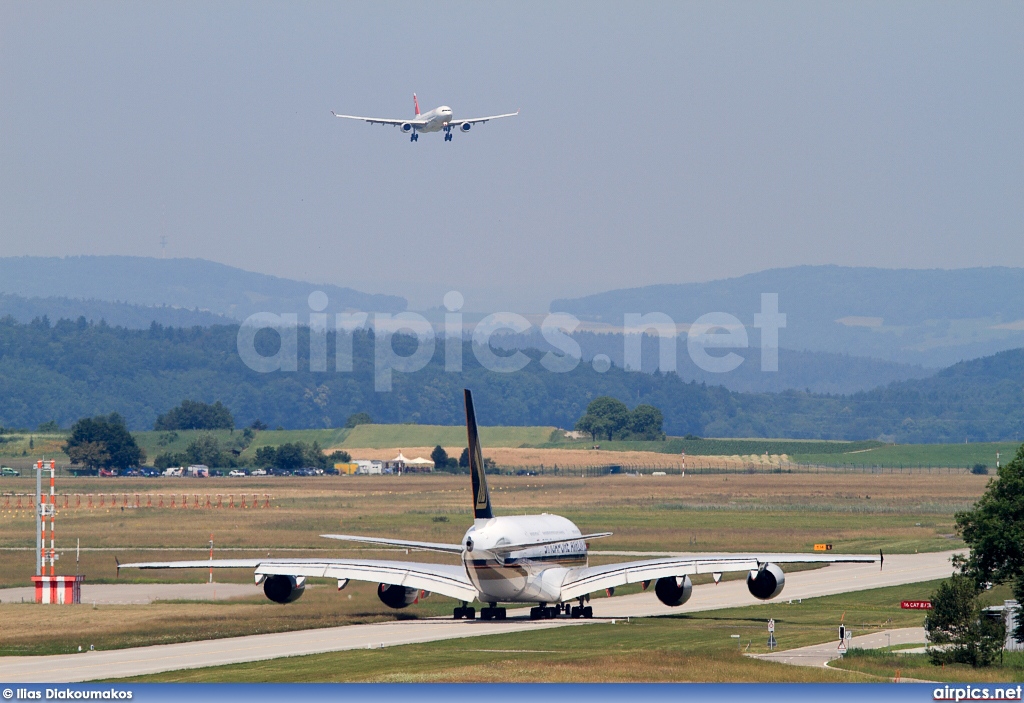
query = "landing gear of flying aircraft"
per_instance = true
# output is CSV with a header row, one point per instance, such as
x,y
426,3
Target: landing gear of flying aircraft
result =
x,y
466,612
414,137
447,134
492,613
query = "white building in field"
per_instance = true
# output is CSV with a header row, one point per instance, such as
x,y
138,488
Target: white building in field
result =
x,y
369,466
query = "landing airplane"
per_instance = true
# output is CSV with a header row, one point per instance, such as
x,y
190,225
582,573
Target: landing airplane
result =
x,y
538,559
436,120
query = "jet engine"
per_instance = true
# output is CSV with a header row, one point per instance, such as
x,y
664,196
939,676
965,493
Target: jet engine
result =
x,y
284,589
673,591
766,583
406,127
465,126
397,596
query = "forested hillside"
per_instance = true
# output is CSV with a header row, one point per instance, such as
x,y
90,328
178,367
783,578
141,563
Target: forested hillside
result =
x,y
70,369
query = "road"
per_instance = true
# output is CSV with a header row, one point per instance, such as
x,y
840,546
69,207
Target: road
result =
x,y
67,668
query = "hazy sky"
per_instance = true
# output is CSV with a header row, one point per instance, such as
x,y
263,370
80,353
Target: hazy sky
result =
x,y
657,143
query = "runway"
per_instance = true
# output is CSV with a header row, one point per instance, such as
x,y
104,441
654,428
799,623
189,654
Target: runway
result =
x,y
88,666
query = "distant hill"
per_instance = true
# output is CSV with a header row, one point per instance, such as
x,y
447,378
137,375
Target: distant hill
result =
x,y
194,284
115,314
69,370
815,371
930,317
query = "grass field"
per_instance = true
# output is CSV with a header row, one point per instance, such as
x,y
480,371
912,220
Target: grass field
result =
x,y
788,512
896,455
535,447
397,436
721,447
691,647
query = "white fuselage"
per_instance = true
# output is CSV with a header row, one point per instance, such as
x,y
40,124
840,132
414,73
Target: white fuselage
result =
x,y
530,574
433,121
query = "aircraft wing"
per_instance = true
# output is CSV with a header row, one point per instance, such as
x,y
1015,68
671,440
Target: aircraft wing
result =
x,y
404,543
476,120
374,120
447,579
580,581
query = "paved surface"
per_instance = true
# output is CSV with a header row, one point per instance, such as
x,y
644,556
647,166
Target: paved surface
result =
x,y
819,655
142,593
87,666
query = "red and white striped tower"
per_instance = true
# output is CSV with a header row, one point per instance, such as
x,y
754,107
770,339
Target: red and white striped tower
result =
x,y
53,511
42,522
52,588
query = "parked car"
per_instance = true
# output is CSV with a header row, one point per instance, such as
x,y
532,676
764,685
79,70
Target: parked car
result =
x,y
8,471
258,472
149,471
108,472
236,472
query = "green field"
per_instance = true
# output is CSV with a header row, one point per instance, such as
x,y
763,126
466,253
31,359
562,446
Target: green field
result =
x,y
690,647
908,455
723,447
19,449
391,436
159,442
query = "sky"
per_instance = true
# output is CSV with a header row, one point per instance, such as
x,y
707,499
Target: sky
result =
x,y
657,143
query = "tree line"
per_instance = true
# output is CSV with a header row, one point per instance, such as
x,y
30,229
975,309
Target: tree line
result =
x,y
66,370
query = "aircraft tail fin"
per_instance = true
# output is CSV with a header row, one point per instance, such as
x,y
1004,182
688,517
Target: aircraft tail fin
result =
x,y
416,104
481,496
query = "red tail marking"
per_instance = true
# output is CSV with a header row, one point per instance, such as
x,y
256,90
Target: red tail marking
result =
x,y
416,104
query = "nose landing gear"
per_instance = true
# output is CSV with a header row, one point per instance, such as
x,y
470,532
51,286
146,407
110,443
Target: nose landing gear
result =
x,y
447,134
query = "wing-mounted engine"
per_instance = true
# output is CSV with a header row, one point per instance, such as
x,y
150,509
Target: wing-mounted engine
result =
x,y
406,127
673,591
399,596
766,583
465,126
284,589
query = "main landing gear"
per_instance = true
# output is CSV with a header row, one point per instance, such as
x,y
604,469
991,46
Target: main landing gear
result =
x,y
549,612
414,137
492,613
465,612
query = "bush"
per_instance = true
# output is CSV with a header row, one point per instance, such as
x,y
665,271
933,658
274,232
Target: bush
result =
x,y
191,415
979,469
358,419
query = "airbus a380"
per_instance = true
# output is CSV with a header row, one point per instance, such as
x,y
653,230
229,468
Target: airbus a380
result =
x,y
539,559
438,119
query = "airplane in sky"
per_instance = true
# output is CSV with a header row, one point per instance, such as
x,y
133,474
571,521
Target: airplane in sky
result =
x,y
436,120
539,559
